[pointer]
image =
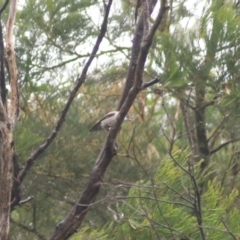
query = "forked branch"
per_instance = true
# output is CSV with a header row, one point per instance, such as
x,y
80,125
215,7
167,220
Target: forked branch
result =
x,y
74,219
80,80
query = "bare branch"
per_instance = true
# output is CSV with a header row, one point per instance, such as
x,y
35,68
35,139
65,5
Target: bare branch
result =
x,y
29,229
197,204
74,219
79,82
229,231
223,145
150,83
189,130
4,6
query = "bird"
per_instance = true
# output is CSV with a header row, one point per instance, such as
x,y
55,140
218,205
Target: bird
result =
x,y
108,121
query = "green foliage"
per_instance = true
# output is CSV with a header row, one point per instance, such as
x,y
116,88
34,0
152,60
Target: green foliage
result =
x,y
53,40
166,206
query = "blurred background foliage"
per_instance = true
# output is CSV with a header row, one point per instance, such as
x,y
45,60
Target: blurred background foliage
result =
x,y
148,190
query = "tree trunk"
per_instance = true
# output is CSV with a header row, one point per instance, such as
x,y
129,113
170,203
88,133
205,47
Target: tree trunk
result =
x,y
6,153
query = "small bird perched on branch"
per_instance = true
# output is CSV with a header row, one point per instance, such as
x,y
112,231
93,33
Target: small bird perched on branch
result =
x,y
108,121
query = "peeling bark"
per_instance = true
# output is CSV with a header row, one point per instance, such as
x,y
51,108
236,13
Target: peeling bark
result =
x,y
12,65
7,122
6,152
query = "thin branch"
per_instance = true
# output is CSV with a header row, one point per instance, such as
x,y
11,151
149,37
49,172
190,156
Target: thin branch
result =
x,y
4,6
180,195
216,131
228,229
223,145
171,228
80,80
153,199
159,208
152,225
29,229
197,201
150,83
42,68
189,130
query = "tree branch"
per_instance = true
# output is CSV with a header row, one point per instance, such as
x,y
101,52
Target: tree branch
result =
x,y
197,201
189,130
228,229
223,145
150,83
4,6
74,219
80,80
29,229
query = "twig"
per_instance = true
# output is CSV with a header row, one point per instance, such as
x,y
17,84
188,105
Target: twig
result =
x,y
150,83
153,199
230,232
223,145
152,225
171,228
29,229
189,130
216,131
197,201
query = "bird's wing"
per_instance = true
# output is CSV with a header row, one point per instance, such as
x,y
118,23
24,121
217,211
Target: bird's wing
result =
x,y
97,126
